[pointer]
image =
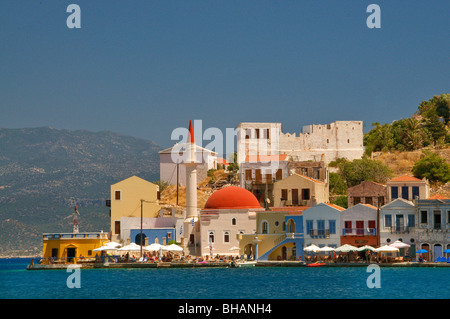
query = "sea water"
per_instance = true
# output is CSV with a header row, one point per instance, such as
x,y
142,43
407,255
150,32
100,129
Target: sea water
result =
x,y
223,283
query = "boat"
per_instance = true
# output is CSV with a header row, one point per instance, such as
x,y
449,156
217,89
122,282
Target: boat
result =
x,y
316,264
243,264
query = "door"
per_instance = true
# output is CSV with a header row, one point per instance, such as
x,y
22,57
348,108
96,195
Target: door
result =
x,y
71,254
437,251
295,197
348,227
283,253
399,222
360,227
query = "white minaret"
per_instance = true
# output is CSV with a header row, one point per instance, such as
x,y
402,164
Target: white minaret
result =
x,y
191,175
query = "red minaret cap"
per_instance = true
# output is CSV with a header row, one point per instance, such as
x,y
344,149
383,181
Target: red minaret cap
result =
x,y
191,138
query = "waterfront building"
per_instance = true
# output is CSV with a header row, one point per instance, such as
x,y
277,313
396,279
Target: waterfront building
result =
x,y
398,222
408,188
299,190
132,197
228,212
433,226
279,235
322,225
367,192
340,139
359,226
72,247
157,229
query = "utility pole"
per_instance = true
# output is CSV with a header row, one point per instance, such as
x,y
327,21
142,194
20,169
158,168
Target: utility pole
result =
x,y
142,204
378,222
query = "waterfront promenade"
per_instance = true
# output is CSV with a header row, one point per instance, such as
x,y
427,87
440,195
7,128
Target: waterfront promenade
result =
x,y
135,265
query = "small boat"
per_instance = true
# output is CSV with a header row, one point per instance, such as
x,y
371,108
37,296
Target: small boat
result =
x,y
242,264
316,264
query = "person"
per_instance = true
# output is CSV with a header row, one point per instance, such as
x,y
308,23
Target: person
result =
x,y
420,258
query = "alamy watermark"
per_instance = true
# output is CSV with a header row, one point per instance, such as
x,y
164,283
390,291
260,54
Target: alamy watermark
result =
x,y
74,280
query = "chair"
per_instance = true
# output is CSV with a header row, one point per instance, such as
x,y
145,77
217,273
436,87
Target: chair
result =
x,y
448,259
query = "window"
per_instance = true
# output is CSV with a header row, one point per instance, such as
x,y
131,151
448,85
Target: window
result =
x,y
284,194
277,223
415,192
265,227
372,228
356,200
279,174
248,134
117,227
283,226
212,237
233,221
368,200
117,195
424,217
348,227
321,227
248,174
258,175
309,226
332,226
267,133
226,236
158,195
387,220
411,220
394,192
405,192
305,194
257,132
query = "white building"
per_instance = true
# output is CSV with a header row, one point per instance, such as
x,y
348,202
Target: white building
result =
x,y
322,224
340,139
170,171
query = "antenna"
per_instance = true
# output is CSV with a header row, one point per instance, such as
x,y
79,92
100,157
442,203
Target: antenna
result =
x,y
75,221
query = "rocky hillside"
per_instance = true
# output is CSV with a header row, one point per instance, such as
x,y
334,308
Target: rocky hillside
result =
x,y
45,172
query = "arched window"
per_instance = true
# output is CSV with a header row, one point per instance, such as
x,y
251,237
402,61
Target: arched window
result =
x,y
226,236
233,221
265,227
137,239
211,237
290,226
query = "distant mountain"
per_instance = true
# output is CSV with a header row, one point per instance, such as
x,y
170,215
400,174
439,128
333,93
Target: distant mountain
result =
x,y
45,172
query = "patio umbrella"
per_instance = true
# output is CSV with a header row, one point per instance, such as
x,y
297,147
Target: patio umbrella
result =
x,y
346,248
386,249
366,247
105,248
310,248
447,251
399,244
421,251
153,247
113,244
131,247
325,249
172,247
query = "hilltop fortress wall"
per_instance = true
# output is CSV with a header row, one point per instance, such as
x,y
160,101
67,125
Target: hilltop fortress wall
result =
x,y
316,142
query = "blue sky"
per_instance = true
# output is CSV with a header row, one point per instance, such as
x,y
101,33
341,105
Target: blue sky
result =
x,y
144,68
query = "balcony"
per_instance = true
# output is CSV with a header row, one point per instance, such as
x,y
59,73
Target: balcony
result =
x,y
319,233
359,232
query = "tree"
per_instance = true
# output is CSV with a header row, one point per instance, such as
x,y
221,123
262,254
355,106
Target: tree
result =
x,y
436,128
364,169
233,168
432,167
162,185
337,184
341,201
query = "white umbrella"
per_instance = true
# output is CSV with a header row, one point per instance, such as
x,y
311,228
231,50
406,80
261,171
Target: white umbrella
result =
x,y
104,248
172,247
113,244
153,247
386,249
399,244
312,248
131,247
346,248
366,247
234,248
325,249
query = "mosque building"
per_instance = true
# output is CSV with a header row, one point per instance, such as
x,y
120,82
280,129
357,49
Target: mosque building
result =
x,y
228,212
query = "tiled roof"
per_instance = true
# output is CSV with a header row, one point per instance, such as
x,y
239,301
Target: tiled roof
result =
x,y
368,205
335,206
309,178
405,178
438,196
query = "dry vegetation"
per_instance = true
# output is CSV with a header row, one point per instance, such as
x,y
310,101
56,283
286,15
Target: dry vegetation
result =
x,y
402,163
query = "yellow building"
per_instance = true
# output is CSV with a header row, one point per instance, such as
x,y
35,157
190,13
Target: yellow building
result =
x,y
72,247
127,196
279,236
299,190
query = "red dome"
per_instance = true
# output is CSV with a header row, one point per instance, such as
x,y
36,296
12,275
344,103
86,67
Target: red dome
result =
x,y
232,198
